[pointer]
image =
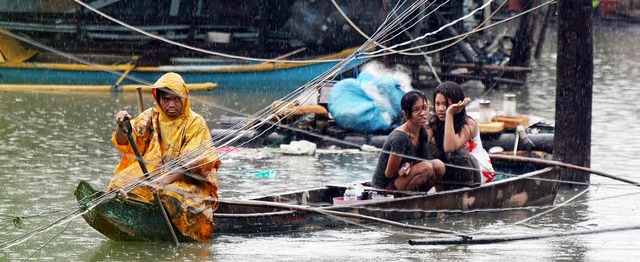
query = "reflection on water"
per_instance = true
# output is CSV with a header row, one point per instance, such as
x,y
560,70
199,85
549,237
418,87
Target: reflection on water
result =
x,y
50,141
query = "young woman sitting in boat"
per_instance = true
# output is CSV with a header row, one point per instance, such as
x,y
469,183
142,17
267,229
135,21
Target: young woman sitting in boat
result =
x,y
401,165
457,136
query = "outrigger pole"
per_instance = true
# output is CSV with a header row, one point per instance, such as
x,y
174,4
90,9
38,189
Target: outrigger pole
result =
x,y
565,165
323,211
508,238
143,166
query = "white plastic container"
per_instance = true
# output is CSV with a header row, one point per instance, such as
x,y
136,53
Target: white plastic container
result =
x,y
485,111
509,105
359,189
350,194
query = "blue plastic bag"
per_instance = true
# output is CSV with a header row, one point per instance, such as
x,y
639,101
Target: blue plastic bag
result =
x,y
366,104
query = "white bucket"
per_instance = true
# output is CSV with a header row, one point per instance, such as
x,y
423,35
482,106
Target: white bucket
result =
x,y
218,37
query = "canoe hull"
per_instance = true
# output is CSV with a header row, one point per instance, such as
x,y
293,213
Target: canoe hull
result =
x,y
505,194
128,220
538,188
135,221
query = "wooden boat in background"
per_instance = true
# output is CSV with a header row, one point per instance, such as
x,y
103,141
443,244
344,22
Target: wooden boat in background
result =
x,y
21,67
301,210
243,28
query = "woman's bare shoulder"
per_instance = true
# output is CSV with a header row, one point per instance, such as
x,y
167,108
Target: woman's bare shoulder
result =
x,y
472,126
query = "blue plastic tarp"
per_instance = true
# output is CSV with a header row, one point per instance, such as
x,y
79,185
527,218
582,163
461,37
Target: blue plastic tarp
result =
x,y
366,104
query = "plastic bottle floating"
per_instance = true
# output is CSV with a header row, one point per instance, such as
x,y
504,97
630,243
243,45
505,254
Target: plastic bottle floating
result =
x,y
265,174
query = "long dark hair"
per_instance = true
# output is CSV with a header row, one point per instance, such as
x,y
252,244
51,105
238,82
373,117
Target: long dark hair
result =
x,y
410,98
451,91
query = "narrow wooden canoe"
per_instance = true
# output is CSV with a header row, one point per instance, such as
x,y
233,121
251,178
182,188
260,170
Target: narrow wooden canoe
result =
x,y
132,220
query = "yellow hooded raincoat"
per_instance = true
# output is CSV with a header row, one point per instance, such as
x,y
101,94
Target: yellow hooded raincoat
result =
x,y
189,202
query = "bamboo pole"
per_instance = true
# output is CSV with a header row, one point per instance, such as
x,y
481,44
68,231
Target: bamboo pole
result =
x,y
565,165
543,32
521,51
507,238
517,69
487,13
482,78
469,51
287,55
500,68
340,214
140,102
125,74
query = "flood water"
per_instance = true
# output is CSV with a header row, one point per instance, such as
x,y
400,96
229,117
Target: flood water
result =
x,y
50,141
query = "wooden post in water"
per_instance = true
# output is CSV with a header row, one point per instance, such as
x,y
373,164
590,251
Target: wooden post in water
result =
x,y
521,52
574,88
543,31
140,102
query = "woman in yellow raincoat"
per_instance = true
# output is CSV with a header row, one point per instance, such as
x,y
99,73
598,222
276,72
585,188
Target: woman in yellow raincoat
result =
x,y
178,151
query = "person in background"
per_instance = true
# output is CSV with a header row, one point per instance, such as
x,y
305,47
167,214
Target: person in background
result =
x,y
177,149
457,136
401,165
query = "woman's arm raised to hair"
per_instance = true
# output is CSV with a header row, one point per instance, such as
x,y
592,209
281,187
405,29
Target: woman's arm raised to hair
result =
x,y
453,141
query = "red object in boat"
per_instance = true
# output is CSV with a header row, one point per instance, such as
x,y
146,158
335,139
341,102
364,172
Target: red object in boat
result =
x,y
608,6
514,6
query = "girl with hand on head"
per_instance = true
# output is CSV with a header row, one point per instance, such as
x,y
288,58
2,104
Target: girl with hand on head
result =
x,y
404,168
457,137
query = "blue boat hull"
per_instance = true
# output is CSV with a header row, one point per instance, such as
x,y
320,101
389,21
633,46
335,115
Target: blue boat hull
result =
x,y
288,78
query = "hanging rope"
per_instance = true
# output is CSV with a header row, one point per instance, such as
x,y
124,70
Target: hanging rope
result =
x,y
153,36
48,242
405,51
437,30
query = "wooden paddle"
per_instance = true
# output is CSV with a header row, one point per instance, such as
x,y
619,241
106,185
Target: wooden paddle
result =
x,y
560,164
127,131
341,214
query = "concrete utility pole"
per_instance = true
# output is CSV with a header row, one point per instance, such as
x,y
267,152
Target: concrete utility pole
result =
x,y
574,91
